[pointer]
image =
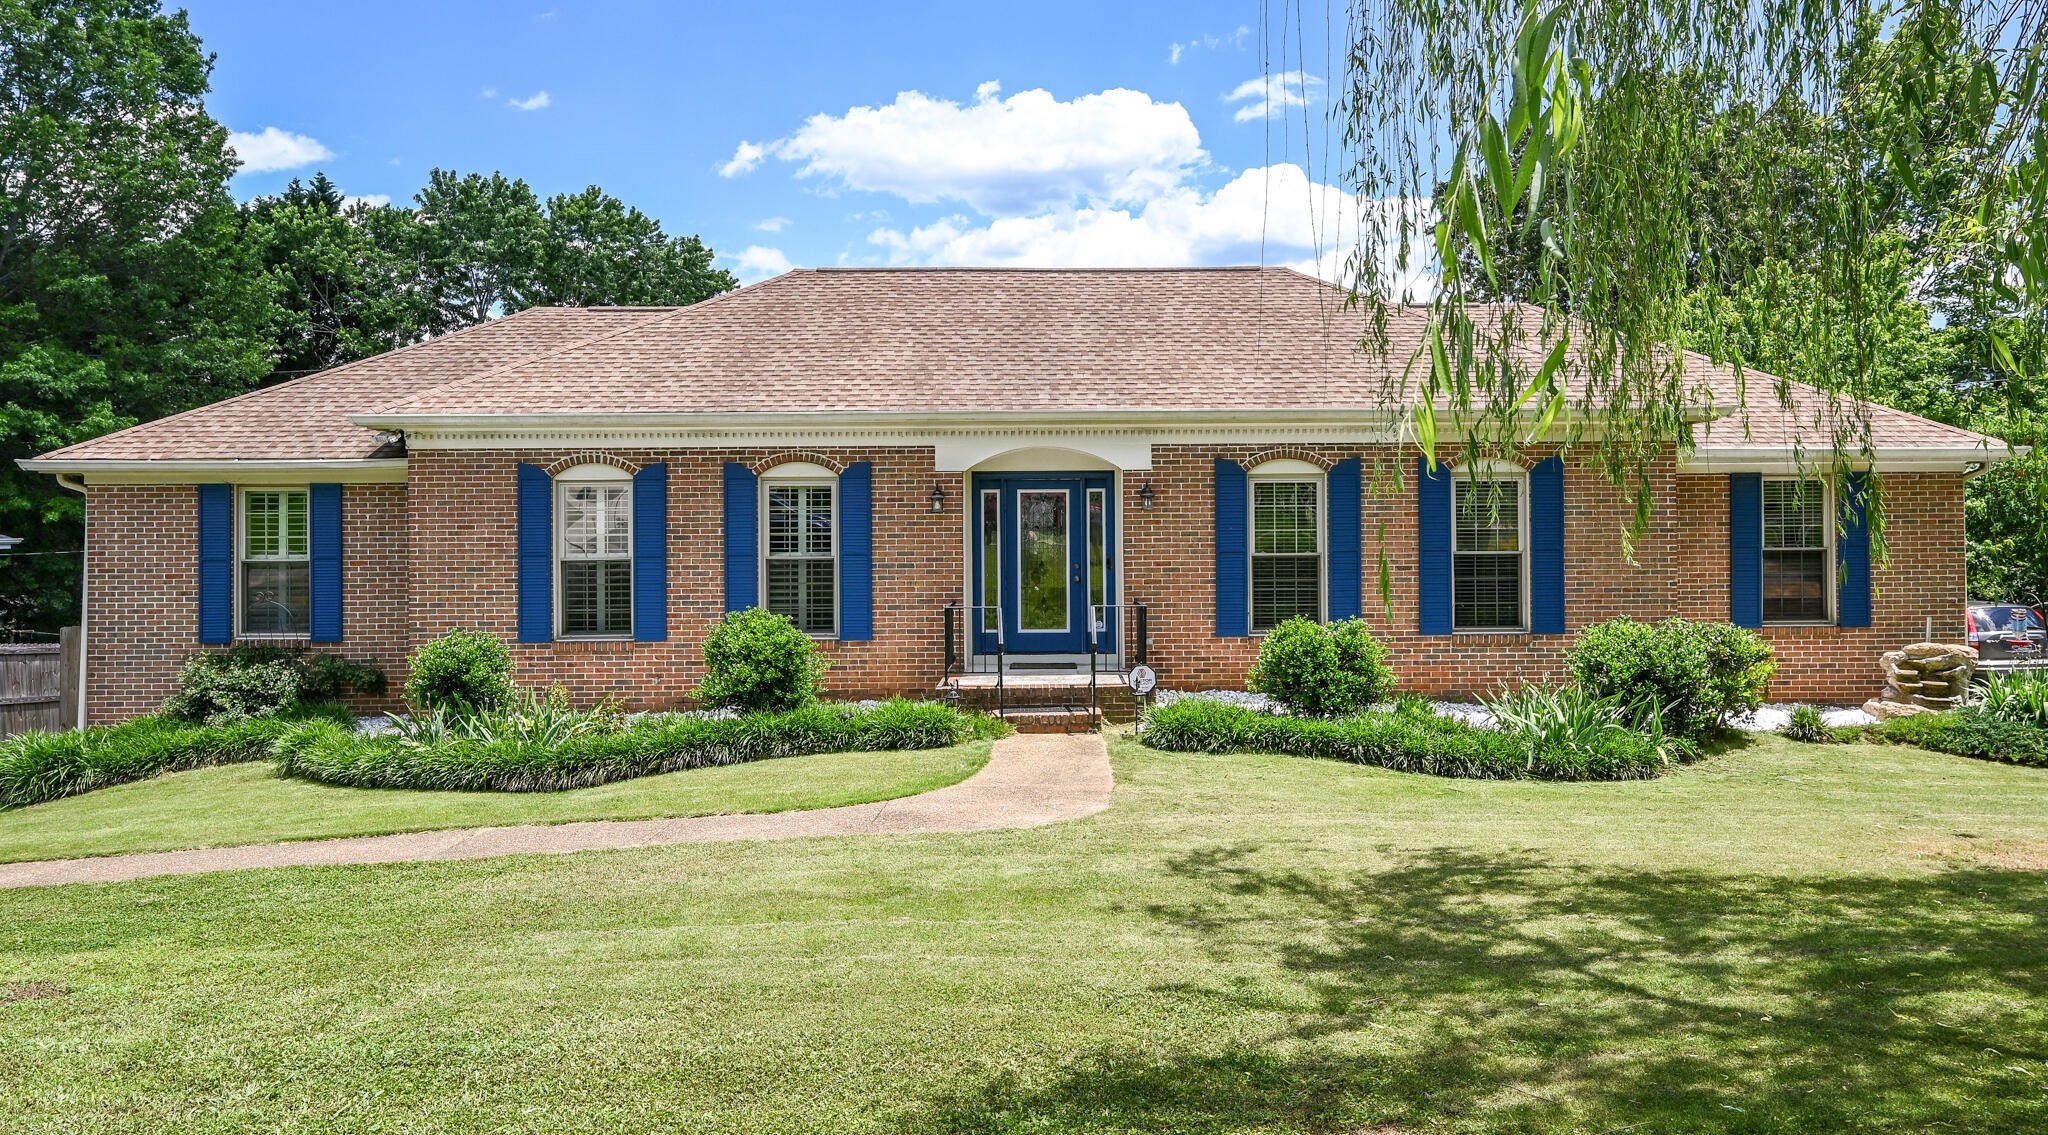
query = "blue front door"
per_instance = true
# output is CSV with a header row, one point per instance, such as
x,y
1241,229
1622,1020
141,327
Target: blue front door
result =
x,y
1043,565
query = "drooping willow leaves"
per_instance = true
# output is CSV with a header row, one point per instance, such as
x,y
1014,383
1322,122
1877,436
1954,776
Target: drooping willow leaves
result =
x,y
1570,170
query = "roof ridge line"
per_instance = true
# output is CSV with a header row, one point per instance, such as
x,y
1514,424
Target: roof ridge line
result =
x,y
628,325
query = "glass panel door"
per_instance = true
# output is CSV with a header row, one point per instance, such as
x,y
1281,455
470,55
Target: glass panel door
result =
x,y
1044,551
1042,560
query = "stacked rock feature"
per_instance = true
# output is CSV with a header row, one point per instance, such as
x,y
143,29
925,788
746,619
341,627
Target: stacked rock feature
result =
x,y
1923,678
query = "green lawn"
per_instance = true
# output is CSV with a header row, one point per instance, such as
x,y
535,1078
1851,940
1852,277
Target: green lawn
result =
x,y
1782,939
249,803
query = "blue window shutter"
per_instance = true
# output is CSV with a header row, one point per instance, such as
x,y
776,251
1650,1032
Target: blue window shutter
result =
x,y
1852,608
1233,550
1347,539
1746,549
216,563
742,537
1546,546
857,552
650,553
1433,551
323,506
536,554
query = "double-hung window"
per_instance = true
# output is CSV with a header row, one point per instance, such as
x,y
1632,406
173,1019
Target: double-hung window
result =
x,y
595,557
1287,551
801,570
1796,534
276,567
1488,554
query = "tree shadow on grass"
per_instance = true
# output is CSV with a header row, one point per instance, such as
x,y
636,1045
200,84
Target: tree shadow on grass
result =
x,y
1510,993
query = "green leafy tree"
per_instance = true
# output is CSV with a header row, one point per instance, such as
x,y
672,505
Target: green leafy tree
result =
x,y
599,250
347,283
1759,178
481,241
125,290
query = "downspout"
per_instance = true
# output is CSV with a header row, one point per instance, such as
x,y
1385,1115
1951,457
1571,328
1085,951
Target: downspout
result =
x,y
67,481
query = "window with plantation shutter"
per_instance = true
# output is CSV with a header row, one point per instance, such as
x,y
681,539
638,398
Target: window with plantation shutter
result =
x,y
1286,553
801,556
276,572
596,550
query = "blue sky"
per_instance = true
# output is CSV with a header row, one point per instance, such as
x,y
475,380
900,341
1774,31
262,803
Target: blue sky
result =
x,y
800,134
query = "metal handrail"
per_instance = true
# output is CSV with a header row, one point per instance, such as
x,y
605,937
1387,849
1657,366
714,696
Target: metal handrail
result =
x,y
1097,621
963,619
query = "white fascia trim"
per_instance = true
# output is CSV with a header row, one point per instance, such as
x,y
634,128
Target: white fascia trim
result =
x,y
368,470
1886,459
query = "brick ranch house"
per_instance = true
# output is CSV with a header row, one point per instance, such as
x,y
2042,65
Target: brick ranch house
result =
x,y
926,467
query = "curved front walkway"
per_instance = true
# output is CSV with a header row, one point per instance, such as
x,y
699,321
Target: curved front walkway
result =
x,y
1030,780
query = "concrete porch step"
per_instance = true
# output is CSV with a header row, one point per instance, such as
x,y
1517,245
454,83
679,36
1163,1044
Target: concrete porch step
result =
x,y
1048,719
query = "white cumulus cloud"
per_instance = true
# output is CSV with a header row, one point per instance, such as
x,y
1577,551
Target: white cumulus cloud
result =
x,y
1269,95
374,200
272,149
772,224
1010,156
1275,215
539,100
758,262
744,159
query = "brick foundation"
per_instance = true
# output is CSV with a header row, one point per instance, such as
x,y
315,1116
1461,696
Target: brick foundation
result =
x,y
438,552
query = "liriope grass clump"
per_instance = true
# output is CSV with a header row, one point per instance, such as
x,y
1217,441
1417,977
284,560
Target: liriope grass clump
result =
x,y
1412,737
540,745
36,767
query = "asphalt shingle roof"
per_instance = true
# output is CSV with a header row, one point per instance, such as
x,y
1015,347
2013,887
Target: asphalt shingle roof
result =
x,y
958,340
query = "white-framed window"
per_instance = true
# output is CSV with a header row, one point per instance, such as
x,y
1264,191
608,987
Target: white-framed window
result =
x,y
800,547
1798,551
594,552
1286,547
273,572
1489,551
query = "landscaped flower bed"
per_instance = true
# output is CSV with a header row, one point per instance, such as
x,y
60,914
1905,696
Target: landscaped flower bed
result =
x,y
35,767
534,749
1409,737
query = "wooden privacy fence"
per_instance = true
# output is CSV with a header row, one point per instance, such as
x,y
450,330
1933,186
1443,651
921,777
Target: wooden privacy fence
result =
x,y
39,685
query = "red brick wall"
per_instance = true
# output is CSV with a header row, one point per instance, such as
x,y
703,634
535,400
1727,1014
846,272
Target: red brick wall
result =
x,y
1679,567
458,537
463,532
142,590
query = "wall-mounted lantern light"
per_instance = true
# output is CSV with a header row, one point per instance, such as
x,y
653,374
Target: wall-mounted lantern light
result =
x,y
938,497
1146,496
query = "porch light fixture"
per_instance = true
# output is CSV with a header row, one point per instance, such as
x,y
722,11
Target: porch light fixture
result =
x,y
1145,497
938,497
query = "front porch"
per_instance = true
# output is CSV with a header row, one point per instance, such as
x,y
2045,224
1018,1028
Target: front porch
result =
x,y
1057,692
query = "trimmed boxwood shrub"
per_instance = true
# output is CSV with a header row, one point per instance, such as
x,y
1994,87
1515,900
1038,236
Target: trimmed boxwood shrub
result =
x,y
35,767
1702,674
463,671
1318,670
1968,732
482,759
222,687
1411,738
758,662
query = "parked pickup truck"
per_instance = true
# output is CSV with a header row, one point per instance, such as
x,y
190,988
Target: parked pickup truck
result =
x,y
2007,636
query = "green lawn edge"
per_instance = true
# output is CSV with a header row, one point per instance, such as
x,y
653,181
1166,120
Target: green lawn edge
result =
x,y
248,803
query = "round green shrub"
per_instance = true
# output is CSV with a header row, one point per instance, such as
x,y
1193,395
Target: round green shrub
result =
x,y
1702,674
758,662
1318,670
220,689
463,671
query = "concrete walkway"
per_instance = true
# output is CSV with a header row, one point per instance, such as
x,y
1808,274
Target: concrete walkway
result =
x,y
1030,780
